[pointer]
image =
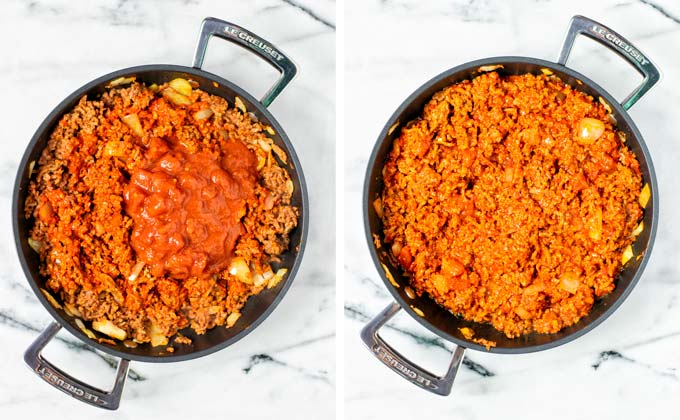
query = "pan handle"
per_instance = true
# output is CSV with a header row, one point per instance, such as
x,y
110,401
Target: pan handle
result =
x,y
440,385
581,25
66,383
246,39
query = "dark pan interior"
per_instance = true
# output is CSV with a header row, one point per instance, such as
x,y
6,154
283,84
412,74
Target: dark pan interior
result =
x,y
257,307
439,320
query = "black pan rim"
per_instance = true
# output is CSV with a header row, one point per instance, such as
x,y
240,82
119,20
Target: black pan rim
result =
x,y
59,110
485,62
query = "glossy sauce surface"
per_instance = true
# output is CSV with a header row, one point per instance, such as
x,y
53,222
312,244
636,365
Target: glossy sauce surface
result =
x,y
187,207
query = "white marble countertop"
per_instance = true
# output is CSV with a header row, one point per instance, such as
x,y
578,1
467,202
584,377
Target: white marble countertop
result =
x,y
49,49
627,368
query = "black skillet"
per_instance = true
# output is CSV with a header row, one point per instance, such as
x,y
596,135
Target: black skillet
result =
x,y
256,309
434,317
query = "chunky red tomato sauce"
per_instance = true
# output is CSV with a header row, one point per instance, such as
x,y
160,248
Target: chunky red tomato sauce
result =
x,y
187,207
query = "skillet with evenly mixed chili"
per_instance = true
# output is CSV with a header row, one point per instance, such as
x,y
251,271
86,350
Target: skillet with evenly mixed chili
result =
x,y
512,201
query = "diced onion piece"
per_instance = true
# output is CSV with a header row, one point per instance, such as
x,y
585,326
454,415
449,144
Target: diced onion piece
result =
x,y
270,130
153,88
132,121
290,187
276,278
72,310
645,194
203,114
418,311
265,145
409,292
121,81
396,249
392,128
378,207
468,333
240,105
258,280
547,72
51,299
622,136
182,86
280,153
232,318
157,339
490,67
130,344
31,166
570,282
81,325
627,254
261,161
35,245
239,269
136,270
595,225
115,148
589,130
605,105
109,328
638,229
175,97
389,275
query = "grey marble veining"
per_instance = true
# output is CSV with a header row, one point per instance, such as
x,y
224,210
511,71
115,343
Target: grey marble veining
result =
x,y
49,49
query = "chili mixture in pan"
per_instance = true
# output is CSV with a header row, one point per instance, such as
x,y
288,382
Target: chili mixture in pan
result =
x,y
513,201
158,208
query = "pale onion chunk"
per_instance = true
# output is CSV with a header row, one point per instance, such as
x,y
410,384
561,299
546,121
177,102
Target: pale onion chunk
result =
x,y
132,121
121,81
203,114
72,310
595,225
570,282
182,86
627,254
378,207
638,229
240,105
175,97
276,278
239,269
645,194
589,130
109,328
136,270
280,154
84,329
232,318
51,299
157,339
35,245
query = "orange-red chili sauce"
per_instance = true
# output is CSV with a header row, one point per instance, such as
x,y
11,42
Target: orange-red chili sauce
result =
x,y
187,206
